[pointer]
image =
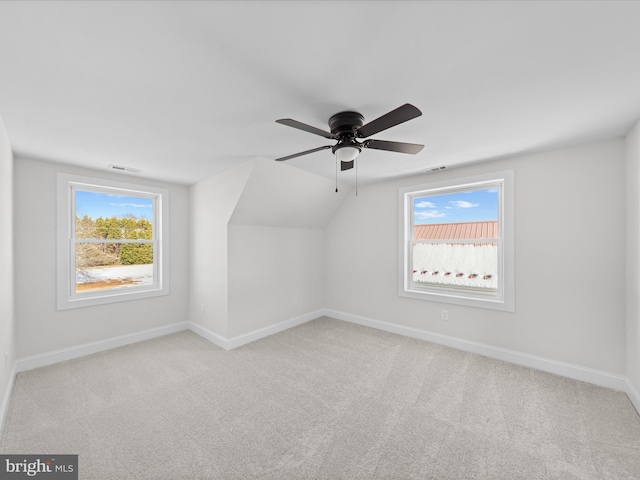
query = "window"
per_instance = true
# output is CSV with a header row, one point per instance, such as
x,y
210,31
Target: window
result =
x,y
112,241
457,241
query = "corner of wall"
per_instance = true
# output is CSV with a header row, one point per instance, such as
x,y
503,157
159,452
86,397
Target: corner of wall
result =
x,y
6,399
632,234
212,203
7,311
633,394
256,231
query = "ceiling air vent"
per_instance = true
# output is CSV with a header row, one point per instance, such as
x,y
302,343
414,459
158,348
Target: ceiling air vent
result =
x,y
435,169
120,168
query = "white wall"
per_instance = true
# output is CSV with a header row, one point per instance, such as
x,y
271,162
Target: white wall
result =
x,y
257,233
7,318
633,260
212,204
43,329
268,268
570,262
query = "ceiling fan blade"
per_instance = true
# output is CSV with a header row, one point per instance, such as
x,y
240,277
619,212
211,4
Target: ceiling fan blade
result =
x,y
400,147
302,153
289,122
395,117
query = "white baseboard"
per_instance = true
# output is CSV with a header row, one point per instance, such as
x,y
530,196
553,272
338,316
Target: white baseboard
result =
x,y
239,340
633,395
4,408
576,372
50,358
207,334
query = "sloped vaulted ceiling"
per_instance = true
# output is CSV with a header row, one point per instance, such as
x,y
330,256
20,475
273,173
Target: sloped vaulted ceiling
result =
x,y
278,195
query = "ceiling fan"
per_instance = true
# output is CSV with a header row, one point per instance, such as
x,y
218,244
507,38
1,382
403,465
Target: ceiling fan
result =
x,y
347,127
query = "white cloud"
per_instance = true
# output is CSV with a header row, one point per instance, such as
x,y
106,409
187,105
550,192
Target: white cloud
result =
x,y
429,214
463,204
133,205
425,204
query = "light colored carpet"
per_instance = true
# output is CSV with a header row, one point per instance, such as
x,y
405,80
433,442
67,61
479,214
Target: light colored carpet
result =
x,y
325,400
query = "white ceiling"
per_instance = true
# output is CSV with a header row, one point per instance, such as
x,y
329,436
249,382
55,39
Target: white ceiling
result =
x,y
184,90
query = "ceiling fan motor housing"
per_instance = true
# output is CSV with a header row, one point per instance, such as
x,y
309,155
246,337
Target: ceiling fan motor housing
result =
x,y
345,123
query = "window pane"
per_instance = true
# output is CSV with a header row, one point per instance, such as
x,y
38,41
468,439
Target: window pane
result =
x,y
456,265
106,266
456,220
469,206
107,215
89,255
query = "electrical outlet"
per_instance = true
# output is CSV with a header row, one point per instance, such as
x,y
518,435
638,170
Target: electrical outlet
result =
x,y
444,315
203,307
294,301
6,360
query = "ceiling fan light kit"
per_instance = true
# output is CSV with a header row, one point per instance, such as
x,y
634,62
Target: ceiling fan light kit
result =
x,y
347,127
346,153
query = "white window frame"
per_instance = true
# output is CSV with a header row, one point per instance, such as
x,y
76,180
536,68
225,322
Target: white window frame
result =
x,y
504,298
67,297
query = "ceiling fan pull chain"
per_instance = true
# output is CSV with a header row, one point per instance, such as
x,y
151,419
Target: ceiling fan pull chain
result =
x,y
336,173
356,162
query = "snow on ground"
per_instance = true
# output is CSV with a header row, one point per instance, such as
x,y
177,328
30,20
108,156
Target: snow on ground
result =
x,y
139,274
481,260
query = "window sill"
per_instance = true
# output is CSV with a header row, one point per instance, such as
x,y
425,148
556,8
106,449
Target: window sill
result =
x,y
90,300
456,298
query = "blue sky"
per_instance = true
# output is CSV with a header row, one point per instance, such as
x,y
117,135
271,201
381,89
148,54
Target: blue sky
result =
x,y
107,205
473,206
